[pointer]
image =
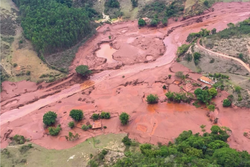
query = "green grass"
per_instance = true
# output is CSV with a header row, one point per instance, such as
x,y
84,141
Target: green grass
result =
x,y
42,157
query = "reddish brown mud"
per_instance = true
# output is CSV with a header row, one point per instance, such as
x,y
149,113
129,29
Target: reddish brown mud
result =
x,y
145,58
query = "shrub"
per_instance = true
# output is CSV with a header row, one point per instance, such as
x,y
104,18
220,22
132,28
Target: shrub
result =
x,y
124,117
141,22
179,74
206,3
85,127
71,124
134,3
154,22
19,139
105,115
237,89
49,118
14,65
77,115
126,141
182,49
83,70
213,31
164,87
105,127
95,116
211,107
212,92
112,3
226,103
54,131
152,99
230,97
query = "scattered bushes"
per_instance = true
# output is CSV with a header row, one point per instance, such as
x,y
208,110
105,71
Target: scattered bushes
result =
x,y
72,137
193,36
152,99
71,124
18,139
179,74
124,117
105,115
211,107
49,118
86,127
83,70
226,103
179,97
77,115
95,116
219,75
54,131
25,148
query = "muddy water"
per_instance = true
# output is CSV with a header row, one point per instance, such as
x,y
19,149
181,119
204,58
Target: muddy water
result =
x,y
106,51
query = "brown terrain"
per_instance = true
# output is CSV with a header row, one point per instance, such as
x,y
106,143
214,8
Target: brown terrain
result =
x,y
131,64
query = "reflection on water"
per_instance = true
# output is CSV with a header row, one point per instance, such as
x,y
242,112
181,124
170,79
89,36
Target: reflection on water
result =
x,y
106,51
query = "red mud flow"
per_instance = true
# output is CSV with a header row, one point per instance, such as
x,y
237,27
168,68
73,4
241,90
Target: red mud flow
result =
x,y
138,63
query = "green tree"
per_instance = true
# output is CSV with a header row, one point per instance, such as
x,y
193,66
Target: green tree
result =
x,y
83,70
227,157
206,3
226,103
71,124
49,118
152,99
54,131
124,117
77,115
127,141
141,22
95,116
105,115
211,107
203,95
134,3
212,92
213,31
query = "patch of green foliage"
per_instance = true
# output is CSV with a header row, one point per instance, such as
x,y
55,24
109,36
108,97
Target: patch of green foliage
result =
x,y
71,124
112,4
141,22
127,141
134,3
105,115
182,50
193,36
54,25
72,137
219,76
77,115
18,139
211,107
95,116
179,97
54,131
49,118
203,96
83,70
86,127
152,99
124,117
197,57
227,103
207,149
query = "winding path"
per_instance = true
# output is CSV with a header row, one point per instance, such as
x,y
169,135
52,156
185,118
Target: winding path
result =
x,y
222,55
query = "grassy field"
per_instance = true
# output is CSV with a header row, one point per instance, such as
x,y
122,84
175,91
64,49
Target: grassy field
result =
x,y
75,156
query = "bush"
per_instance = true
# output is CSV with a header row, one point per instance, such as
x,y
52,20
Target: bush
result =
x,y
49,118
85,127
206,3
213,31
124,117
154,22
112,3
141,22
134,3
237,89
127,141
83,70
105,115
54,131
164,87
14,65
212,92
71,124
95,116
179,74
19,139
77,115
226,103
152,99
211,107
182,49
27,72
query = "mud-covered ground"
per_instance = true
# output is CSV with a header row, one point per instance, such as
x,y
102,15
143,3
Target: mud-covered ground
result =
x,y
125,89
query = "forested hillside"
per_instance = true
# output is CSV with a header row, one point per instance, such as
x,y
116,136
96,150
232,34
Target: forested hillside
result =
x,y
54,25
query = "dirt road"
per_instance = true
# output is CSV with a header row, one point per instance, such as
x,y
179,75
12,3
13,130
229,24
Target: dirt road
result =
x,y
223,55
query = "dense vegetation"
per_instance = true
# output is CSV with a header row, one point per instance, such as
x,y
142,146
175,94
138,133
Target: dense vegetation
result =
x,y
54,25
49,118
206,149
141,22
158,11
54,131
193,36
179,97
